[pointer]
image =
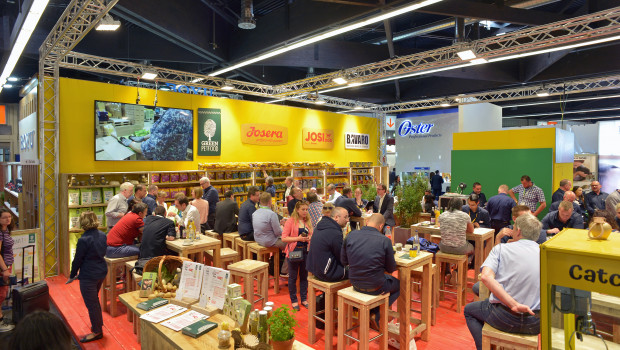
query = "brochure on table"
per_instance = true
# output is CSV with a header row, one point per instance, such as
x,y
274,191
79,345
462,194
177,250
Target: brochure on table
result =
x,y
184,320
191,280
214,285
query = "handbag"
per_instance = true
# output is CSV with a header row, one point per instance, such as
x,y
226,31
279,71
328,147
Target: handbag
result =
x,y
297,254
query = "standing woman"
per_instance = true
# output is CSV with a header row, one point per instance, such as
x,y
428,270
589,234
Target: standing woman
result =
x,y
6,260
89,260
297,233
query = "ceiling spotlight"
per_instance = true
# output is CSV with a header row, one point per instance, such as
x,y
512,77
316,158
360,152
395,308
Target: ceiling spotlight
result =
x,y
13,79
197,80
542,93
444,103
108,23
227,86
149,74
320,101
358,106
466,54
8,86
355,83
339,80
479,61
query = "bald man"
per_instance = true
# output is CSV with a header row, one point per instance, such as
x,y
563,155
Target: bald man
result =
x,y
595,199
569,196
369,255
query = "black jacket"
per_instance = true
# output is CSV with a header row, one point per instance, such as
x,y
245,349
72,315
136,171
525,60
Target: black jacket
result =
x,y
156,228
349,205
225,216
89,256
324,253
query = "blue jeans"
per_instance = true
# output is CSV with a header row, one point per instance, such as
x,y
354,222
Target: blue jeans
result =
x,y
122,251
476,288
295,268
391,286
90,293
496,315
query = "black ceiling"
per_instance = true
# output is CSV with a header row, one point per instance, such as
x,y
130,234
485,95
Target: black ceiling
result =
x,y
202,36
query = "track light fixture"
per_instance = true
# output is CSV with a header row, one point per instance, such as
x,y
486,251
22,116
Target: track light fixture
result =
x,y
149,74
227,86
340,80
108,23
542,92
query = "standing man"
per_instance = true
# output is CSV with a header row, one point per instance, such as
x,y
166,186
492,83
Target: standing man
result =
x,y
479,216
499,208
139,193
267,229
345,201
151,198
297,195
436,182
324,258
384,205
333,194
558,195
210,195
612,200
246,230
369,255
188,212
117,206
269,187
564,217
226,214
595,199
289,186
477,189
529,194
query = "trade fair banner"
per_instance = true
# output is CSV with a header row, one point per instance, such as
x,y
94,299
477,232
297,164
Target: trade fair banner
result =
x,y
317,138
356,141
28,149
264,134
209,131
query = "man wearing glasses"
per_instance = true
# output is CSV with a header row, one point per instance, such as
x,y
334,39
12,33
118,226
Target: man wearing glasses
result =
x,y
595,199
384,205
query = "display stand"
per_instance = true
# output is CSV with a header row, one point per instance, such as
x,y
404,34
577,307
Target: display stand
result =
x,y
208,310
185,302
21,198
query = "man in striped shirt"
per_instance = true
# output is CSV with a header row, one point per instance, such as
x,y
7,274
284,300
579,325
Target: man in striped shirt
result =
x,y
529,194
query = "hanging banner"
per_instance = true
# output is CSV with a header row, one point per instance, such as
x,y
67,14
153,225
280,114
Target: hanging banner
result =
x,y
209,131
28,146
356,141
264,134
317,138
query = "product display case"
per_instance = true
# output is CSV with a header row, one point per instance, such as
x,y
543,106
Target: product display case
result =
x,y
20,193
580,291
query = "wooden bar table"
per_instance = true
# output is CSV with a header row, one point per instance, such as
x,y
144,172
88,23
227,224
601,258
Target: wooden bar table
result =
x,y
423,325
198,247
479,236
361,220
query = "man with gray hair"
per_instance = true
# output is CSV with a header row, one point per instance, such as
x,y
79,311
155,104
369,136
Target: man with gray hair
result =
x,y
333,194
117,206
511,272
210,195
324,257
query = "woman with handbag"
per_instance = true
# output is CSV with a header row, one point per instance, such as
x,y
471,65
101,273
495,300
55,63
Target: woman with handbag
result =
x,y
6,261
297,233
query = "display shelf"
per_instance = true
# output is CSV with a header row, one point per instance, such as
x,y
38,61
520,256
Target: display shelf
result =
x,y
333,176
236,194
13,210
12,193
87,205
219,182
97,186
188,183
308,177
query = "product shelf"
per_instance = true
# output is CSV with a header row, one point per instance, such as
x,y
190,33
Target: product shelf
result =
x,y
219,182
12,193
308,177
97,186
332,176
87,205
13,210
176,183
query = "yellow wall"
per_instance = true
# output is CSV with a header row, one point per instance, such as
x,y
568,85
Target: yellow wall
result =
x,y
77,129
561,171
505,139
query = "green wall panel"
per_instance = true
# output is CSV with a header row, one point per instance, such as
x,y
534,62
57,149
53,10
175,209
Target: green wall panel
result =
x,y
503,166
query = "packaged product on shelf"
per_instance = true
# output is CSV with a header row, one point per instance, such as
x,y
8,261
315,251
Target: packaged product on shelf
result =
x,y
108,193
74,196
220,175
174,177
155,178
100,212
165,177
74,218
192,177
228,176
86,196
96,196
183,177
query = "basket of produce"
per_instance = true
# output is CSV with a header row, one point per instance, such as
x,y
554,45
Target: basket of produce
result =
x,y
168,269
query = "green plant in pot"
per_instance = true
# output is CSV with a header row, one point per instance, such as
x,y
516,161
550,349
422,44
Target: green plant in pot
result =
x,y
282,325
409,207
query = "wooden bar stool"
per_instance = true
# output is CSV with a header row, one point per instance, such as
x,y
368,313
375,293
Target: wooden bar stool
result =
x,y
416,277
330,289
212,234
227,256
110,283
241,247
348,298
129,275
262,254
460,261
229,240
248,270
492,336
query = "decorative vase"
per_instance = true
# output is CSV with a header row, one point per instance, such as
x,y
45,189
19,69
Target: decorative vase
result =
x,y
283,345
599,229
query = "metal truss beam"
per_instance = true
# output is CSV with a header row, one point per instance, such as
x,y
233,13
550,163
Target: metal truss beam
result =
x,y
579,30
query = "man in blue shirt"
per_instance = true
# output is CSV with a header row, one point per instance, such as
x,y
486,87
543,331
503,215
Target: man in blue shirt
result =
x,y
267,229
595,199
151,199
210,195
499,208
564,217
479,217
558,195
436,182
246,231
482,198
569,196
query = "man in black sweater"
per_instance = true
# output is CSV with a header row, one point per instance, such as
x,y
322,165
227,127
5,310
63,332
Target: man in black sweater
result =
x,y
246,231
326,242
226,214
157,230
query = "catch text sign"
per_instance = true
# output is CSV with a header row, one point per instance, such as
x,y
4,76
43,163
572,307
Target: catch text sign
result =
x,y
317,138
264,134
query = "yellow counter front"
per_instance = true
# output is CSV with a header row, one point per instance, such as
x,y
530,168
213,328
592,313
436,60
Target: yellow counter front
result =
x,y
578,274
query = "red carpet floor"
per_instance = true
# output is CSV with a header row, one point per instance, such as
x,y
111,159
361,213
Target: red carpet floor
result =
x,y
450,332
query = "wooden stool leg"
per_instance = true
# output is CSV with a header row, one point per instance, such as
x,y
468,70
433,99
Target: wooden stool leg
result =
x,y
435,295
442,279
276,272
384,327
342,328
329,319
486,343
349,321
311,312
464,298
113,293
364,329
459,286
265,284
104,298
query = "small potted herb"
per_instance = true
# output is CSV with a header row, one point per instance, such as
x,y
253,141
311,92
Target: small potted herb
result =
x,y
281,327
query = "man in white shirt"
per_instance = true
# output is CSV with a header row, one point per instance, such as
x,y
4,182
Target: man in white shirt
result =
x,y
117,206
289,186
333,194
188,212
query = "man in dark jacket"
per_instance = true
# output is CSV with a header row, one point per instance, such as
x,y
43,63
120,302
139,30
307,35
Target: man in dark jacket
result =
x,y
436,182
345,201
246,231
211,195
326,242
157,230
226,214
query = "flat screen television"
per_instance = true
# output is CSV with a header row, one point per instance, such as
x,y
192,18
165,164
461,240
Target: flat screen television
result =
x,y
125,131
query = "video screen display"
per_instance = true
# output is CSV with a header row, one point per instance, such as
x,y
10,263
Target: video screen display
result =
x,y
125,131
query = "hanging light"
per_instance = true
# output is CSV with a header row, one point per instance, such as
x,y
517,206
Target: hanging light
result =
x,y
227,86
542,92
108,23
149,74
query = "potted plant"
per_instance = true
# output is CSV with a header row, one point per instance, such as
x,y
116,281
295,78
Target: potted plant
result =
x,y
281,327
409,206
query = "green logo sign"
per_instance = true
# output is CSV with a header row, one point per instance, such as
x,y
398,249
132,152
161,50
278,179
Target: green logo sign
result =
x,y
31,238
209,131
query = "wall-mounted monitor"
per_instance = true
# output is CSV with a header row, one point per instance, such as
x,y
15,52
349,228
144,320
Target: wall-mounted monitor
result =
x,y
125,131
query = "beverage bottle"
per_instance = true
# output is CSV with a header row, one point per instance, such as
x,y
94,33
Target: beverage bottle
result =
x,y
253,322
415,247
433,215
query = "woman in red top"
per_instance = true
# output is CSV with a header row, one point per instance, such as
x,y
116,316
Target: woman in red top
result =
x,y
121,237
297,232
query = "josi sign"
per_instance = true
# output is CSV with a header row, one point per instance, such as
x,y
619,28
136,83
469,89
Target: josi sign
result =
x,y
317,138
189,89
356,141
407,127
264,134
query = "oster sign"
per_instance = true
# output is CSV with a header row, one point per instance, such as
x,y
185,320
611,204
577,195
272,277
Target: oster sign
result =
x,y
317,138
264,134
